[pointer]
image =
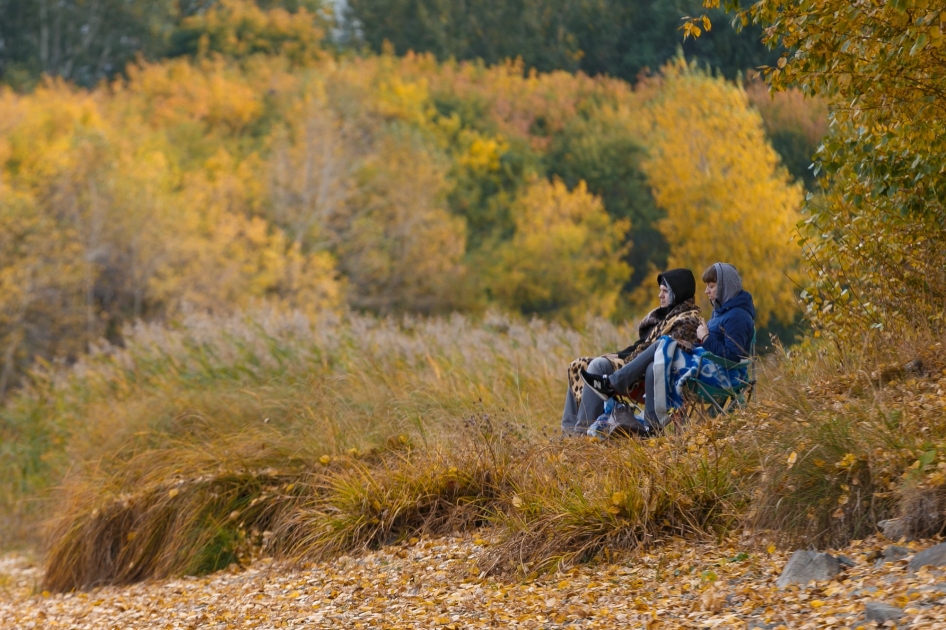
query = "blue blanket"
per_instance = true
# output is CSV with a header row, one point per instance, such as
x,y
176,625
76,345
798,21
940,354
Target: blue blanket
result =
x,y
674,366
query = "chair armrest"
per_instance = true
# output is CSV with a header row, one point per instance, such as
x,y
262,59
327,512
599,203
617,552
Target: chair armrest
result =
x,y
726,363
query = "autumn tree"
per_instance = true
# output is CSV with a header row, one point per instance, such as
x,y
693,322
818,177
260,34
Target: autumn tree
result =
x,y
400,247
726,196
604,146
52,228
564,260
242,28
875,243
313,163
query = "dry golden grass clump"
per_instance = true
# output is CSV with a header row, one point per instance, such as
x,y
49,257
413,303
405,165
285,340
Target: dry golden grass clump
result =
x,y
205,445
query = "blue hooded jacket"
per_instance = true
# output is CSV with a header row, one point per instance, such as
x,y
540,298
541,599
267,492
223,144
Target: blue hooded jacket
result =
x,y
731,328
733,323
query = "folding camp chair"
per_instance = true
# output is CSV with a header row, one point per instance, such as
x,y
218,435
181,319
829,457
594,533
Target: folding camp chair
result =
x,y
717,400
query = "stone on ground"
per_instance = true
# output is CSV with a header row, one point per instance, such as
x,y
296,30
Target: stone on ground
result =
x,y
808,566
896,552
881,613
934,556
895,529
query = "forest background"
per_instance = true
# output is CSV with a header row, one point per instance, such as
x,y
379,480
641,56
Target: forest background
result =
x,y
273,267
163,158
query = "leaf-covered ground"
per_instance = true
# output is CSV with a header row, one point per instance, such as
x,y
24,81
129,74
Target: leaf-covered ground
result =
x,y
437,584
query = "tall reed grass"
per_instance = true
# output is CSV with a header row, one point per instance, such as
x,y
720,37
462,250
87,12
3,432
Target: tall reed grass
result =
x,y
205,444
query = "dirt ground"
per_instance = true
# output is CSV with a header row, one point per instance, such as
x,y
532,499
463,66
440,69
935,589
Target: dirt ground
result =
x,y
436,584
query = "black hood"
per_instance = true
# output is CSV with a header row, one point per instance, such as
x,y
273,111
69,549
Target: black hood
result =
x,y
680,282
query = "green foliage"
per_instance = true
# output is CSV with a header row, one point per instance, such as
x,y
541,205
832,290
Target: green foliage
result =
x,y
602,147
86,42
795,124
620,39
83,42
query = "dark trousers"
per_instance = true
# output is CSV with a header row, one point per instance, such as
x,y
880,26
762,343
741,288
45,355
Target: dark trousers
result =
x,y
642,367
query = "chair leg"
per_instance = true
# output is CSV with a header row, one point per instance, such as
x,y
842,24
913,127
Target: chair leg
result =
x,y
714,408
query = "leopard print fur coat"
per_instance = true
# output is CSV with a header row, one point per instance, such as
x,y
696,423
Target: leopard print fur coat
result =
x,y
680,323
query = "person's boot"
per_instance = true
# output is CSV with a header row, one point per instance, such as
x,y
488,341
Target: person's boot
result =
x,y
601,385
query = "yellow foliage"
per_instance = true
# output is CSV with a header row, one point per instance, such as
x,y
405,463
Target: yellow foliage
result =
x,y
564,260
725,194
483,154
305,181
400,247
222,257
175,92
240,28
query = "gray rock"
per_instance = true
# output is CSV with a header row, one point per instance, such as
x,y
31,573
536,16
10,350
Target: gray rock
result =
x,y
896,552
755,624
934,556
915,367
881,613
895,529
867,590
847,562
808,566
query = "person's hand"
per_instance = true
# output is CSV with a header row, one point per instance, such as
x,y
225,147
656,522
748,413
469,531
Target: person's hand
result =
x,y
702,332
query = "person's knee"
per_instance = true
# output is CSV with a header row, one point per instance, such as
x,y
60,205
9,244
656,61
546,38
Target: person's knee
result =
x,y
600,366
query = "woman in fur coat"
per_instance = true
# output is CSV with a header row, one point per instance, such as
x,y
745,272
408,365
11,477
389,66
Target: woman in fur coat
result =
x,y
678,316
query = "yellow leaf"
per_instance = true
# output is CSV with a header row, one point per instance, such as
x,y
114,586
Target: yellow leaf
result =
x,y
173,492
618,498
792,459
325,459
516,501
770,549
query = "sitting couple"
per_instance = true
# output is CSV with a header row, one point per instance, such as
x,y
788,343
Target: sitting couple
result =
x,y
729,334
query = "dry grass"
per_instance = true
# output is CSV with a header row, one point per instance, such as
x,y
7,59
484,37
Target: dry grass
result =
x,y
857,423
201,446
573,500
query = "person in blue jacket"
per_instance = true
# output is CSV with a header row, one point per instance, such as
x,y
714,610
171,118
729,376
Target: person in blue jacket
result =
x,y
728,334
731,328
